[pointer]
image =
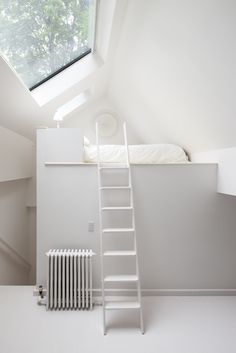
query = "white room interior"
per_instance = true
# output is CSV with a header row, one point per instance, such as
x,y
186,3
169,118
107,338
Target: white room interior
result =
x,y
165,68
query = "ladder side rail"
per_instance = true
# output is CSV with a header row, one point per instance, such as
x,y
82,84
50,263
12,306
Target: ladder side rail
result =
x,y
100,227
126,145
97,143
133,226
136,257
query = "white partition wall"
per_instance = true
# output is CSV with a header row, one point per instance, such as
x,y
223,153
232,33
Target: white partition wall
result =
x,y
186,230
226,159
65,194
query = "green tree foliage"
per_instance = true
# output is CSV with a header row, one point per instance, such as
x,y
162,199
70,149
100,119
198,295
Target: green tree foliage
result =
x,y
39,37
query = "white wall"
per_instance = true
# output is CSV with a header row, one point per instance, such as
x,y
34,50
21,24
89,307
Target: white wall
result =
x,y
16,156
173,77
11,273
84,119
186,231
31,242
23,111
13,230
226,176
174,72
16,170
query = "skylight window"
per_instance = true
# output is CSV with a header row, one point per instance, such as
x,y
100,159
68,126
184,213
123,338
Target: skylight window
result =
x,y
41,38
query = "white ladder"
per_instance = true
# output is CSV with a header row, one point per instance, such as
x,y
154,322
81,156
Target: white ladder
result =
x,y
129,231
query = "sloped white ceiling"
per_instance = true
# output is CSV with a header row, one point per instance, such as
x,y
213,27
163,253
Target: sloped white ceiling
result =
x,y
174,77
19,110
170,72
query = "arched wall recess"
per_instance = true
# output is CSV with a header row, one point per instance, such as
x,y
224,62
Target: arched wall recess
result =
x,y
108,123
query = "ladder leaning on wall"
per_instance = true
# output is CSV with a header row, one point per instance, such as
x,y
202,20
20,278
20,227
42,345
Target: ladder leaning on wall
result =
x,y
106,175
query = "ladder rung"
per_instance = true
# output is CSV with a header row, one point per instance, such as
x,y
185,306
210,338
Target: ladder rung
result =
x,y
122,305
111,164
115,187
118,230
120,253
121,278
115,167
118,208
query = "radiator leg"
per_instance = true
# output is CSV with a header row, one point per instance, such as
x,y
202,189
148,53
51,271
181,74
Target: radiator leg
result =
x,y
141,322
104,322
90,284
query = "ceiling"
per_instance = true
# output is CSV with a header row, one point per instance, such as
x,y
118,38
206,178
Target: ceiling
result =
x,y
174,75
23,111
168,69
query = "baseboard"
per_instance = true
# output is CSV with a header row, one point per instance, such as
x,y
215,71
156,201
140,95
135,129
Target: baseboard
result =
x,y
97,293
167,292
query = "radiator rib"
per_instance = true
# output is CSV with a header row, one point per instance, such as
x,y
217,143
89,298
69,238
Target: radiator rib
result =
x,y
69,279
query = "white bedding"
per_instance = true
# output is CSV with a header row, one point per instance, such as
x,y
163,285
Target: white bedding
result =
x,y
139,154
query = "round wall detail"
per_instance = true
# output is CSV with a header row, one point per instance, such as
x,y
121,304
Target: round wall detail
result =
x,y
107,124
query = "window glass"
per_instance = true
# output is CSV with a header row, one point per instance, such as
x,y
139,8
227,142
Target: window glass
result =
x,y
41,37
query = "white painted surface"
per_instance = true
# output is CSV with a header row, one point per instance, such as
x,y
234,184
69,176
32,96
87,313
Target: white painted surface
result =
x,y
13,225
89,73
11,273
14,255
86,118
173,325
172,80
174,77
16,156
31,243
21,113
66,79
226,159
186,231
62,145
106,10
14,230
72,105
17,164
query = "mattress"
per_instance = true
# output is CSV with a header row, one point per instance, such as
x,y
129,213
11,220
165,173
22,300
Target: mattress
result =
x,y
139,154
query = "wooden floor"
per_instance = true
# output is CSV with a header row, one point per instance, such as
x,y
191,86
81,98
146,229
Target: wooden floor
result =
x,y
173,325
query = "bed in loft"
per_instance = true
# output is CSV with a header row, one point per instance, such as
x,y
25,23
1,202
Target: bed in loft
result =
x,y
139,154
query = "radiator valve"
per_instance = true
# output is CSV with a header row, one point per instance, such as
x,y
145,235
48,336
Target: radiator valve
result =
x,y
41,291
